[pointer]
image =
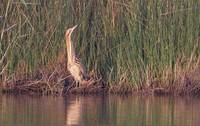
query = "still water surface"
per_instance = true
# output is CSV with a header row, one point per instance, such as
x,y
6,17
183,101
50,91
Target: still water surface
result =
x,y
99,111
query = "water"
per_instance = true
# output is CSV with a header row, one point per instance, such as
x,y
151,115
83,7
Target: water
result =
x,y
99,111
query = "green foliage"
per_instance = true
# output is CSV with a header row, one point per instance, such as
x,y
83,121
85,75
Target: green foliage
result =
x,y
121,40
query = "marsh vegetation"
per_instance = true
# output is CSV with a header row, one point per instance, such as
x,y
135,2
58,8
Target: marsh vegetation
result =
x,y
133,45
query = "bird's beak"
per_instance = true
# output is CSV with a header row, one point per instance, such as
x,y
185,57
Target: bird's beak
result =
x,y
74,27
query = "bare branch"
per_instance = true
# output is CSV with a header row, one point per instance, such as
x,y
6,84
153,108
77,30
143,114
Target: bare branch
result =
x,y
3,57
4,68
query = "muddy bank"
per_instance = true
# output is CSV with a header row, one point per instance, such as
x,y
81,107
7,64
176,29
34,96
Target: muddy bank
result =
x,y
60,83
190,86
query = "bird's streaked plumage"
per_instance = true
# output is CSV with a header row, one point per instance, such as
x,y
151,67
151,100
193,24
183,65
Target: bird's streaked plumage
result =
x,y
74,65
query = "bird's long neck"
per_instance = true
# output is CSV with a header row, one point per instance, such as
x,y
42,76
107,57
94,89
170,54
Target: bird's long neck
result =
x,y
70,50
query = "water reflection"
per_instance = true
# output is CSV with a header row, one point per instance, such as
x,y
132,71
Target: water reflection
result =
x,y
73,111
31,111
99,111
83,110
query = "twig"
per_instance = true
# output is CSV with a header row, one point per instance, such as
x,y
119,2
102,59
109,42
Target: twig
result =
x,y
4,68
26,3
52,75
7,29
3,57
33,83
63,79
176,11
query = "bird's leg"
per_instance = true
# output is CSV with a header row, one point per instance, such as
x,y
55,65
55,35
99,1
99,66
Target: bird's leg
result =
x,y
76,84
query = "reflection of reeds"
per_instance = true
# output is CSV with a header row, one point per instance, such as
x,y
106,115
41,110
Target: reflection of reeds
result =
x,y
140,43
158,111
138,110
25,110
99,110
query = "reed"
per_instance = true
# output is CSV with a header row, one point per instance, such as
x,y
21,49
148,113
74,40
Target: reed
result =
x,y
131,43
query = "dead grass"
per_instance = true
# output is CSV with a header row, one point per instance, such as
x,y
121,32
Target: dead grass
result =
x,y
55,79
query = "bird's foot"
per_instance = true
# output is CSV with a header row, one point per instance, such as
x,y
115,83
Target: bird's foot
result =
x,y
87,83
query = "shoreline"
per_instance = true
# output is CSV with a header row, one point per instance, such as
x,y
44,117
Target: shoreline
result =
x,y
187,83
97,90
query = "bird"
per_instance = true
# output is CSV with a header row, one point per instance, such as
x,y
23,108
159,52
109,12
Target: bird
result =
x,y
74,65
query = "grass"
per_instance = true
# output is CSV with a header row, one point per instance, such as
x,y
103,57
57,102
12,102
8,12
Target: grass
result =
x,y
129,43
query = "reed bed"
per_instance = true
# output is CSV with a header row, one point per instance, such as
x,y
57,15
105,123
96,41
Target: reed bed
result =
x,y
133,45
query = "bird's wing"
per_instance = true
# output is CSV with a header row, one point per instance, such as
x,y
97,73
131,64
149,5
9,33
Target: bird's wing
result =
x,y
82,69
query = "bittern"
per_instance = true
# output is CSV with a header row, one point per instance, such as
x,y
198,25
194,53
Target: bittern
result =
x,y
74,65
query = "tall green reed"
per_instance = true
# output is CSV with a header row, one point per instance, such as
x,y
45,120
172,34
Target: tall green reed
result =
x,y
129,41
